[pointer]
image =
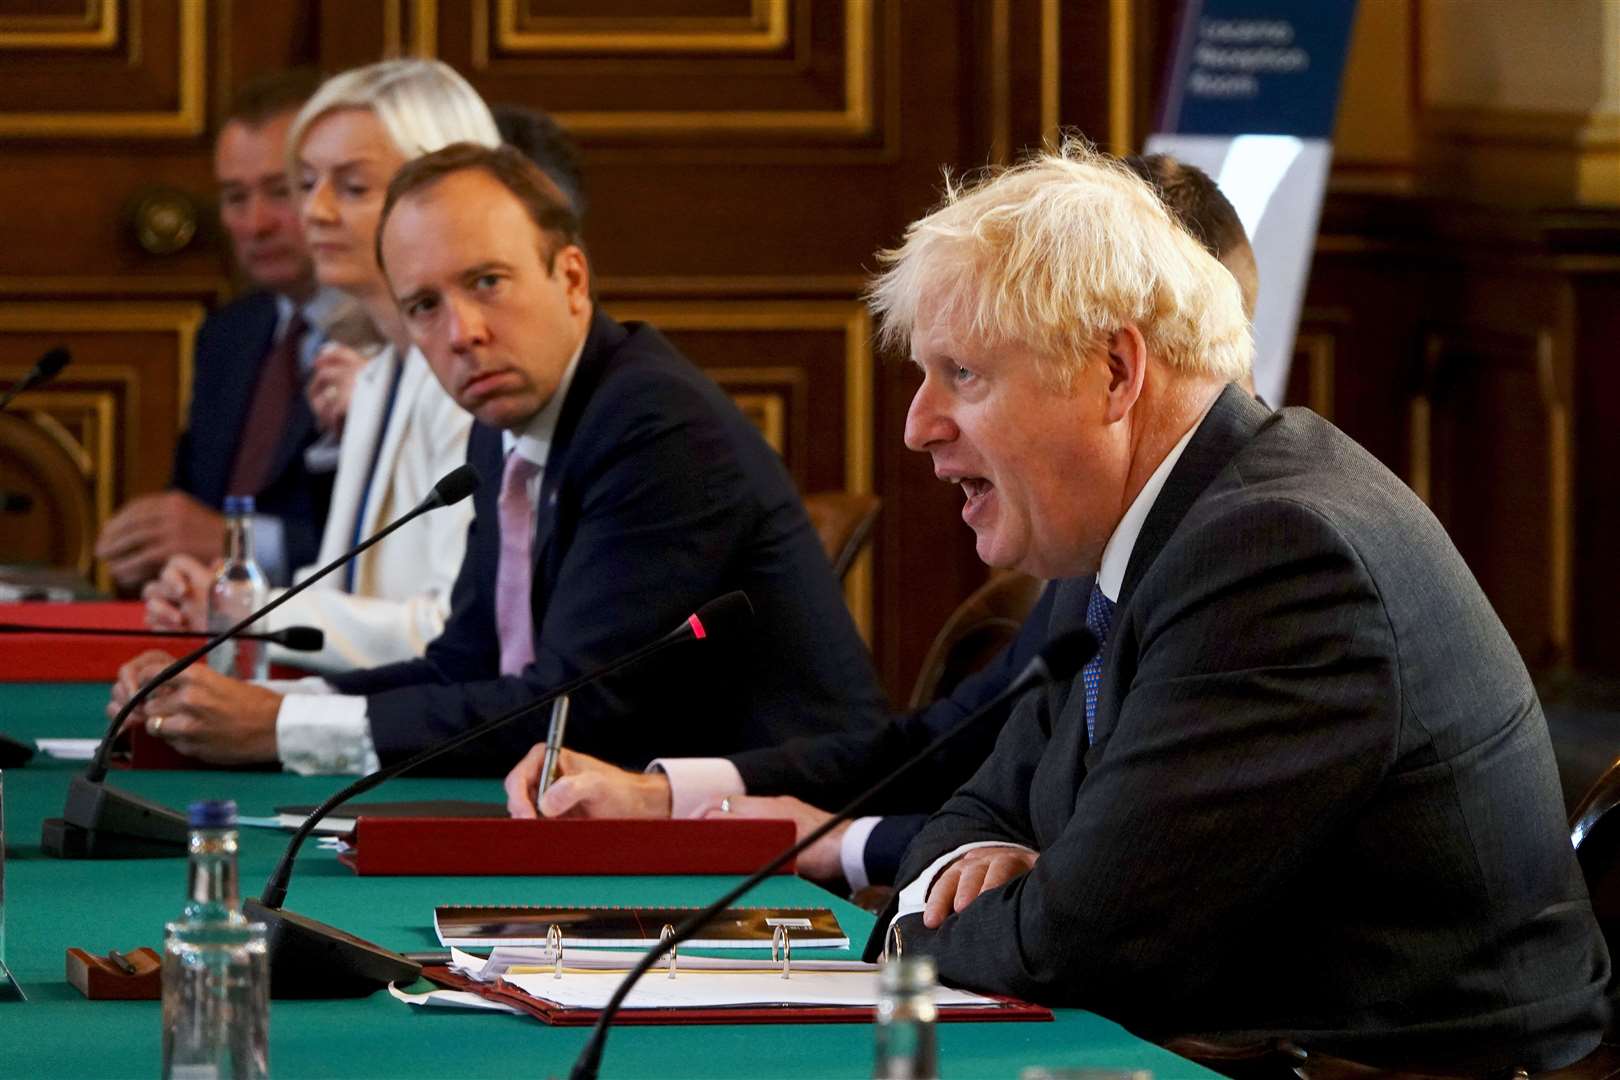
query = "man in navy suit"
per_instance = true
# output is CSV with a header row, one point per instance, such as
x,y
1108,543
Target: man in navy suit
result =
x,y
798,778
249,425
622,490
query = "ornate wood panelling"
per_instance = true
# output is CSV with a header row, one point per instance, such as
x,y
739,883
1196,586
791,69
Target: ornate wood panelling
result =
x,y
1491,456
110,71
102,430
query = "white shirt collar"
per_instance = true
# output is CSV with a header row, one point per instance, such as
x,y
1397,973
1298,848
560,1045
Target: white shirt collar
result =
x,y
1117,555
533,442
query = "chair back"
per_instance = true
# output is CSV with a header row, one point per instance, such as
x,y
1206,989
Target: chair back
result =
x,y
844,521
984,624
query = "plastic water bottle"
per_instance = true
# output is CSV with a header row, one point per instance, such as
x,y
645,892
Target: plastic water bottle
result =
x,y
239,589
216,969
906,1049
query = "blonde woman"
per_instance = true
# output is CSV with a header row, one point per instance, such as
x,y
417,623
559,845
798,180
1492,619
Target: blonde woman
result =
x,y
401,432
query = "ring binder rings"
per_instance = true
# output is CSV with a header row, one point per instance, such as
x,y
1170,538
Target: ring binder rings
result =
x,y
480,926
664,935
892,937
554,942
779,936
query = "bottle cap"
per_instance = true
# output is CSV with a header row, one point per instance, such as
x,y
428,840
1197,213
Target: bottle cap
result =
x,y
212,814
238,504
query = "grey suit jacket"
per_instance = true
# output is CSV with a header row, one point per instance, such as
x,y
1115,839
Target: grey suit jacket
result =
x,y
1321,802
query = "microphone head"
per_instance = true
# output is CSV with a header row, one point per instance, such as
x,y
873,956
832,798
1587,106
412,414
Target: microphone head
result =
x,y
303,638
53,362
1066,654
721,617
455,486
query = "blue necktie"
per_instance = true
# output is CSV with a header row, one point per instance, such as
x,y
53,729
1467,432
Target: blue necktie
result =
x,y
1099,617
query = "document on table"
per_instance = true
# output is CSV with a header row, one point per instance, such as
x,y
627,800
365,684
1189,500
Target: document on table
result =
x,y
69,749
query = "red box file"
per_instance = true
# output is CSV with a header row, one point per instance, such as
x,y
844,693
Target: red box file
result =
x,y
486,846
59,658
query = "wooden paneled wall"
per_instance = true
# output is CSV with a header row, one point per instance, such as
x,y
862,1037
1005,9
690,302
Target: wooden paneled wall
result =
x,y
745,159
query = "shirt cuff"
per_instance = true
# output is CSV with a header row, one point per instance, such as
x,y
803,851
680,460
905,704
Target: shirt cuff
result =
x,y
270,547
693,781
321,456
914,897
324,734
852,852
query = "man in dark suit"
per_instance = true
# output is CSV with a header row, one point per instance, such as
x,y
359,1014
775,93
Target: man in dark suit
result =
x,y
1305,790
798,778
249,425
622,490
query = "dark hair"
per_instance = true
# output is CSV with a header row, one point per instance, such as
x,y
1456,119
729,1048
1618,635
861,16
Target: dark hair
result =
x,y
545,202
546,144
1195,200
265,97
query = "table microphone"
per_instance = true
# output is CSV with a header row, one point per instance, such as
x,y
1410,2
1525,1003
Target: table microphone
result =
x,y
1059,660
296,638
310,959
100,822
43,371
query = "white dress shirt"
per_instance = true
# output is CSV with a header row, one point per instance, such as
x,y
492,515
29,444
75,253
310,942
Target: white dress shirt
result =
x,y
321,731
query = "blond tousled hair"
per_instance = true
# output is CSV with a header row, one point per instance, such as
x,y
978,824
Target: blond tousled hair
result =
x,y
422,104
1057,253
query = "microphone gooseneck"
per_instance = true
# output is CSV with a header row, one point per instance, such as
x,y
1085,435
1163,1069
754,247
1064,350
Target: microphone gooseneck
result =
x,y
1060,659
721,617
296,638
99,821
311,959
44,370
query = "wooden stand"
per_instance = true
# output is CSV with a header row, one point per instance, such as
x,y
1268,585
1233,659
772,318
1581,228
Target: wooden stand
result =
x,y
100,978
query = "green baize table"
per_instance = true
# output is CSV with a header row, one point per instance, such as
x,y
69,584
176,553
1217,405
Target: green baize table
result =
x,y
53,904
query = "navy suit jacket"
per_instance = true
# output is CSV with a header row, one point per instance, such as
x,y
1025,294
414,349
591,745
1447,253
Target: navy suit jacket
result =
x,y
657,497
831,769
232,345
1320,803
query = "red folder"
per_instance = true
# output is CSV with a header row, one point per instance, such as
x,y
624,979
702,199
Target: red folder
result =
x,y
484,846
91,658
1003,1009
59,658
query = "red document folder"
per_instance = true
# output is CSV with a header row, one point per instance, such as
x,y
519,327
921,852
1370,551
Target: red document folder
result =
x,y
484,846
1003,1009
67,658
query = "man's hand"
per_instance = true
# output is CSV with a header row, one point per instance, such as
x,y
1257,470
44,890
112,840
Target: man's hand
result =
x,y
585,787
820,860
332,383
177,599
200,712
150,529
979,871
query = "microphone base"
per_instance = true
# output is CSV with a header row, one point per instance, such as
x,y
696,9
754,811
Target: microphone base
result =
x,y
100,822
309,959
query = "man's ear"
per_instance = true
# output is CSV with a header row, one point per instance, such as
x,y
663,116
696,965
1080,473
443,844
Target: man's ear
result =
x,y
1126,357
575,270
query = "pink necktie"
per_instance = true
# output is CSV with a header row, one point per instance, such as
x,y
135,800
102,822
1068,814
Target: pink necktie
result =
x,y
514,619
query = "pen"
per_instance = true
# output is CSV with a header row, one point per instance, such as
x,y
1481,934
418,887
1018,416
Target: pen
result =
x,y
121,961
554,738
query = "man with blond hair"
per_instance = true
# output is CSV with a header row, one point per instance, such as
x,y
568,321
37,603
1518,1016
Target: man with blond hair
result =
x,y
1305,790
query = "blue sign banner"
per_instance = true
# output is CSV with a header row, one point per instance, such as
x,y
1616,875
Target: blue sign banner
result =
x,y
1258,67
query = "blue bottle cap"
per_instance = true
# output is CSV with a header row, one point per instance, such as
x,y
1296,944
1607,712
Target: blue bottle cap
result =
x,y
238,504
212,814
